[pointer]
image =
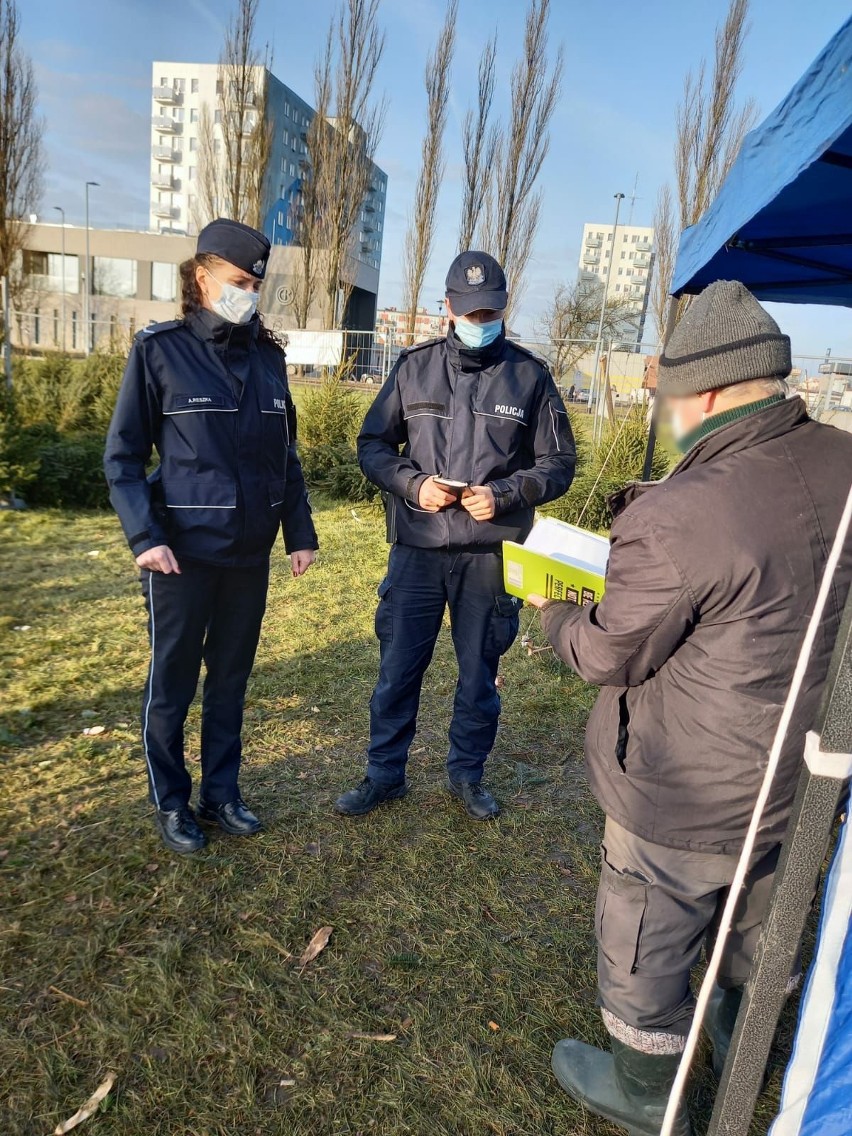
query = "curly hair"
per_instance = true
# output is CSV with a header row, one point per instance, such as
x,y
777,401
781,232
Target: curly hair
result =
x,y
192,301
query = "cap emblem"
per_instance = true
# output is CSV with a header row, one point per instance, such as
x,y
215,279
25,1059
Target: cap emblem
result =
x,y
257,267
475,275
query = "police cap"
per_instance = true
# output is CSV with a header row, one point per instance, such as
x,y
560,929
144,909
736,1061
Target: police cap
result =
x,y
237,243
476,281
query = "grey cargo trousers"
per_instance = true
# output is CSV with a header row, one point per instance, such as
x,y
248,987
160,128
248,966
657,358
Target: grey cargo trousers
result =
x,y
656,908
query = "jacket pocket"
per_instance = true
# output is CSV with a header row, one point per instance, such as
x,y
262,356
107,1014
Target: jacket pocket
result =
x,y
277,491
620,916
200,493
384,612
503,626
623,736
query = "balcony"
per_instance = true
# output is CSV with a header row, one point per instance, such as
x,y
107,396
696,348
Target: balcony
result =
x,y
643,246
593,242
642,260
591,258
168,96
166,124
164,181
166,154
167,212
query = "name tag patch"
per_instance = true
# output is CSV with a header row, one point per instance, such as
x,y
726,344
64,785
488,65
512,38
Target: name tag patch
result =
x,y
198,402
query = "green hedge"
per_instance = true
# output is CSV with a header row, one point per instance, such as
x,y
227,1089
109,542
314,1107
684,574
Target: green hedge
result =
x,y
52,429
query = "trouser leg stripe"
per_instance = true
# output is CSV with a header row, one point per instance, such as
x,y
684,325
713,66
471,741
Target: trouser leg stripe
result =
x,y
150,689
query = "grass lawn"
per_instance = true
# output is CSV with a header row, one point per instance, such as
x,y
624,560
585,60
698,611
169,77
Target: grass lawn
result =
x,y
471,944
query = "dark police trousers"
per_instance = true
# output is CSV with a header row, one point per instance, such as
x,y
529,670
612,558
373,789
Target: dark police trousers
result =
x,y
207,614
419,585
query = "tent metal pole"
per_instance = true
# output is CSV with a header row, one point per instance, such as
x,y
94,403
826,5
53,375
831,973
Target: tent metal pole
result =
x,y
802,856
671,323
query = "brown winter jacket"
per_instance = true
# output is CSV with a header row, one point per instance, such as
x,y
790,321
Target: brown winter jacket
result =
x,y
712,577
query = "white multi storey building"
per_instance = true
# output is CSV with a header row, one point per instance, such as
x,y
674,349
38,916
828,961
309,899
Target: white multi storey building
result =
x,y
179,92
630,252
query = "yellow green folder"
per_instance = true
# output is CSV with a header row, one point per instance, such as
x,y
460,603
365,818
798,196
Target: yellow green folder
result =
x,y
558,561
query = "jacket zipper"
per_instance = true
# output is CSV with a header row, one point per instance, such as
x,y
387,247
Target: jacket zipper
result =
x,y
446,472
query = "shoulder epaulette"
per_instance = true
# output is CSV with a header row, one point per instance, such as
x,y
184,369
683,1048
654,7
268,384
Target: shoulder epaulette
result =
x,y
420,346
532,354
157,328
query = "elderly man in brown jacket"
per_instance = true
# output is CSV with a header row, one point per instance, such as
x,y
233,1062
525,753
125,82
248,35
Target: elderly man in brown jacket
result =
x,y
712,577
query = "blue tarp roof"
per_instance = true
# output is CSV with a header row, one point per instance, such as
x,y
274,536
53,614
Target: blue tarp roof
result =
x,y
782,221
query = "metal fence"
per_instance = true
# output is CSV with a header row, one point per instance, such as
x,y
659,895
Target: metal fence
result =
x,y
607,389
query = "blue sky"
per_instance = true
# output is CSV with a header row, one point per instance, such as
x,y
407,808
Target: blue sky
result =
x,y
624,67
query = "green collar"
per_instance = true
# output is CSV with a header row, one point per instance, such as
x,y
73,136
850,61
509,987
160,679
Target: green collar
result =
x,y
715,421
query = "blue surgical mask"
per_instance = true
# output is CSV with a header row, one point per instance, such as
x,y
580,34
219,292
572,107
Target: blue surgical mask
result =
x,y
477,335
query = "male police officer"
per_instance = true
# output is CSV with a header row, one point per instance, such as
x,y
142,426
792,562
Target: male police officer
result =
x,y
210,392
712,576
484,413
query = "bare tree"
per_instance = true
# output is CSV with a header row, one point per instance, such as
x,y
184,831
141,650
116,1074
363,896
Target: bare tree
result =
x,y
421,226
513,204
232,169
338,176
22,160
570,322
479,143
709,131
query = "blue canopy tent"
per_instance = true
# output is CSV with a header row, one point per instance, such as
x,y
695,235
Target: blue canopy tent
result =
x,y
782,221
782,225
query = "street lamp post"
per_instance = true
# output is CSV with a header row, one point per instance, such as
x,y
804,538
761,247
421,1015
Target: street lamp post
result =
x,y
87,296
59,209
619,197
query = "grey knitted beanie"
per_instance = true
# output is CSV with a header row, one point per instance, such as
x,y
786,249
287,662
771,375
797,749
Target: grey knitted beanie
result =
x,y
726,337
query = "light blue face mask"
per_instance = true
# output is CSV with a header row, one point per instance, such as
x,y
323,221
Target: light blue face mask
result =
x,y
477,335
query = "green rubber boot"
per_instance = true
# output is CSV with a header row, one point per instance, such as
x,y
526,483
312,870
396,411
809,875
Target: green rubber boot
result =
x,y
626,1087
719,1023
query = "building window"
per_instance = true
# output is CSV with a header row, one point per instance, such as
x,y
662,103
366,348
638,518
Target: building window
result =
x,y
618,287
193,115
193,145
286,110
217,117
292,170
164,82
194,86
634,240
46,269
191,172
180,85
632,255
220,89
113,276
217,145
178,114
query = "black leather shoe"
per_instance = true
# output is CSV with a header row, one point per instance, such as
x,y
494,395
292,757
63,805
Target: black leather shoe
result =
x,y
233,817
179,830
478,801
364,797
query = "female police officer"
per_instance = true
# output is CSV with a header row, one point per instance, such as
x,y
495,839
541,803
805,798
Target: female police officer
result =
x,y
210,392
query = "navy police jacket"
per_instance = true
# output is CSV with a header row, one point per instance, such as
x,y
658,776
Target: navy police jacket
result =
x,y
488,417
212,398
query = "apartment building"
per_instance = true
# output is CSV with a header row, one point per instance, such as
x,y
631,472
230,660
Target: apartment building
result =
x,y
629,251
392,326
181,92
